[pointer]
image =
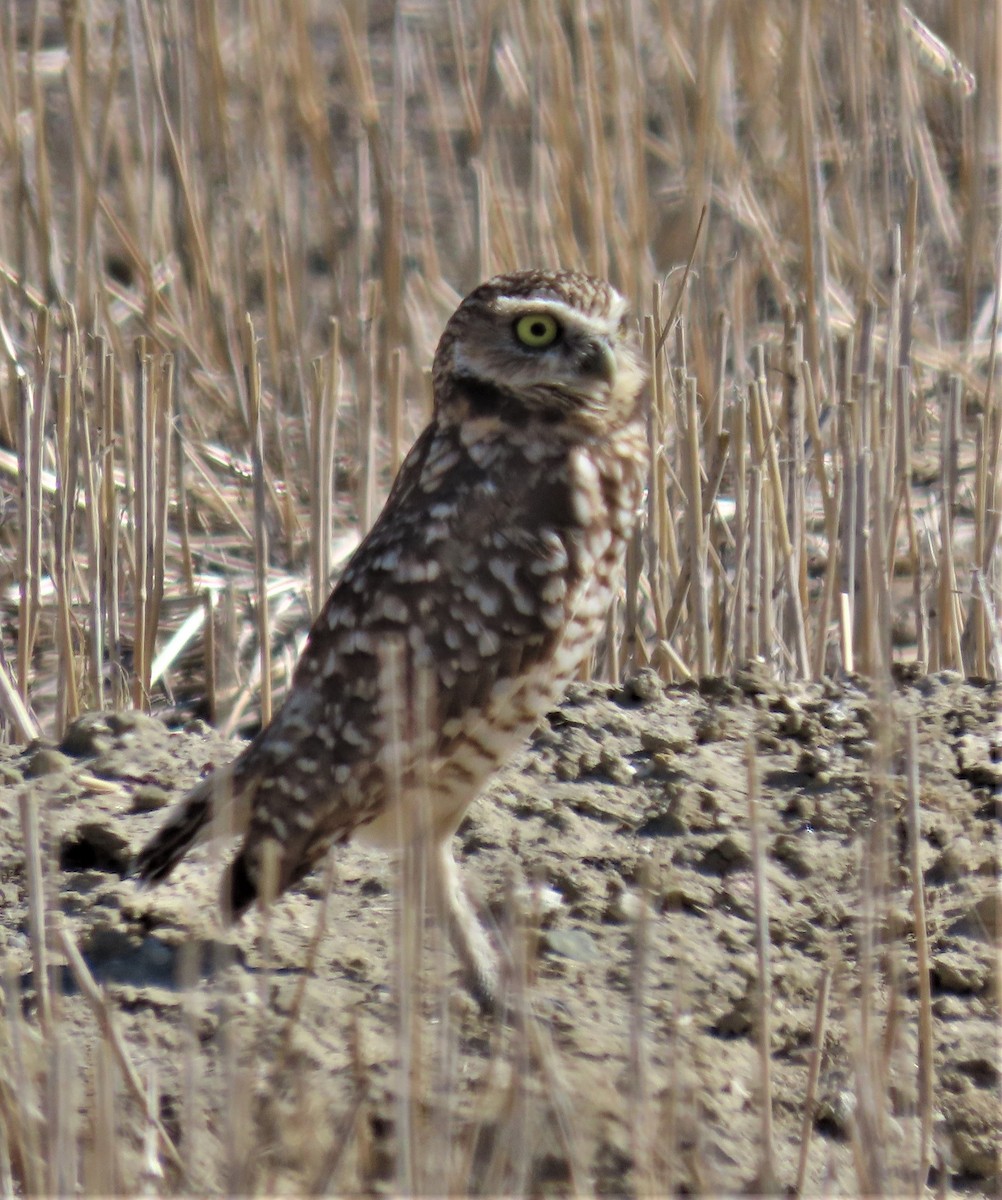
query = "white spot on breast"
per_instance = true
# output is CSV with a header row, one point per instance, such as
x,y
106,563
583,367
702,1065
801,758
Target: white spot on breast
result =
x,y
442,458
484,453
555,557
586,492
389,608
503,571
488,602
553,589
523,602
351,735
387,561
535,452
552,616
418,571
337,616
356,641
473,432
488,643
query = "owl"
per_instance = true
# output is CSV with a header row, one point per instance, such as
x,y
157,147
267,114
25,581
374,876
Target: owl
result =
x,y
475,598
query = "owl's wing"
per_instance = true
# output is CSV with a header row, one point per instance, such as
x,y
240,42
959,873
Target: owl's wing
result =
x,y
465,577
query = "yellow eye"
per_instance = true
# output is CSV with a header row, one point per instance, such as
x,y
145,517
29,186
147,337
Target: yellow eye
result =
x,y
537,330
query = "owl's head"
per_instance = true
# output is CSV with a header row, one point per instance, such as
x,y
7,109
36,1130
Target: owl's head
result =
x,y
554,346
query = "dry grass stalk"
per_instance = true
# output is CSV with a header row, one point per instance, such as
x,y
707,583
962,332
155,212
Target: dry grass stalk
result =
x,y
99,1006
922,967
766,1178
261,555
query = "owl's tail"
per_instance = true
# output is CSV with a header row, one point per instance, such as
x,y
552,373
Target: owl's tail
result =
x,y
193,822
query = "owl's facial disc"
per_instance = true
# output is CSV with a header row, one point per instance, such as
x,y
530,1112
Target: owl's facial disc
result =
x,y
543,350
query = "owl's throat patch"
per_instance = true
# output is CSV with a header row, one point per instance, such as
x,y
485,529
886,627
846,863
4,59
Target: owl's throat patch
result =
x,y
486,399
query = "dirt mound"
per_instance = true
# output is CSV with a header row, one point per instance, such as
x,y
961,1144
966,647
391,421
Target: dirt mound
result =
x,y
617,859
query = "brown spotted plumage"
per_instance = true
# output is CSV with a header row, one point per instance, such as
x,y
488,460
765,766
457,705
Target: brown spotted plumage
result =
x,y
462,616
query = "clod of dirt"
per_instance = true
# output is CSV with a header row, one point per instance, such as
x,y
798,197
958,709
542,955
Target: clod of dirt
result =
x,y
45,760
95,846
150,797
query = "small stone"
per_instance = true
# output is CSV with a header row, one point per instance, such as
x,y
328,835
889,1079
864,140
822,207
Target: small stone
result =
x,y
951,864
730,853
711,727
815,762
753,678
10,776
736,1021
663,824
87,735
95,847
836,1111
623,907
149,798
616,768
46,760
974,1132
574,944
795,852
900,922
949,1008
986,915
645,686
567,770
663,765
959,973
658,741
131,720
977,763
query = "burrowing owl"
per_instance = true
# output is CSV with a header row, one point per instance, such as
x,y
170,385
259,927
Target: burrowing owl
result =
x,y
488,574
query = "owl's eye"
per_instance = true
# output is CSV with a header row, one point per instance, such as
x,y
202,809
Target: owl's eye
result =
x,y
537,330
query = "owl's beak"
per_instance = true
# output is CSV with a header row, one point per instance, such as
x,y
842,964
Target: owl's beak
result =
x,y
600,360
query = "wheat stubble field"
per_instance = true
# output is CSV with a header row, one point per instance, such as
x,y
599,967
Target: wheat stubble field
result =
x,y
747,875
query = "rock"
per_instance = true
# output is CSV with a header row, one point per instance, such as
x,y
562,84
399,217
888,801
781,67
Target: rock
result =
x,y
663,741
795,852
645,686
956,972
952,864
87,735
664,824
149,797
94,846
46,760
730,853
575,944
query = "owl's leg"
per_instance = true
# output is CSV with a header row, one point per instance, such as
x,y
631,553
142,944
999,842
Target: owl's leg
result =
x,y
477,956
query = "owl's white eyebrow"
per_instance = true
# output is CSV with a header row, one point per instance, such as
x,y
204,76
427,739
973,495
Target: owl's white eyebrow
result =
x,y
566,313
